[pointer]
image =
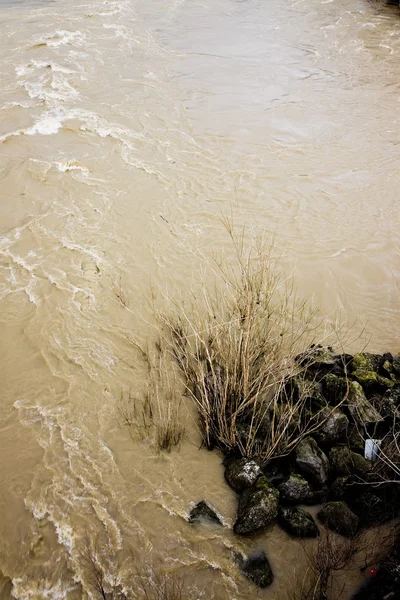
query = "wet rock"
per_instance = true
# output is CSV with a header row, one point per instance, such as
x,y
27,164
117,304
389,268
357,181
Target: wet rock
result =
x,y
256,568
360,408
296,489
311,461
345,462
241,473
297,522
202,512
258,506
334,426
338,517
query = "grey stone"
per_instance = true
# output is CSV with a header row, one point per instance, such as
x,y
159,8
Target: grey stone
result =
x,y
311,461
338,517
297,522
242,473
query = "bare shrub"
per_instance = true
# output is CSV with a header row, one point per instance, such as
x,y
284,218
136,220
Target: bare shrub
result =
x,y
333,553
236,344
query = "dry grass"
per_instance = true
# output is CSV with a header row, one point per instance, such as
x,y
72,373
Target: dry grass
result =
x,y
155,413
235,345
334,553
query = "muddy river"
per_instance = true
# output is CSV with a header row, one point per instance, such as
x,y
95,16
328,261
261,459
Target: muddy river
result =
x,y
127,128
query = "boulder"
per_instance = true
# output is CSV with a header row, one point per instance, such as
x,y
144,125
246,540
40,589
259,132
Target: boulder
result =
x,y
345,462
241,473
258,506
365,361
360,408
297,522
338,517
311,461
370,380
335,388
296,489
334,426
256,568
202,512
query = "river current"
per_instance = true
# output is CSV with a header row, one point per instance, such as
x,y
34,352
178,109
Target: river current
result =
x,y
127,128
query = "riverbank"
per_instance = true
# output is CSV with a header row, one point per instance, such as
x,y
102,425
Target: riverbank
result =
x,y
349,467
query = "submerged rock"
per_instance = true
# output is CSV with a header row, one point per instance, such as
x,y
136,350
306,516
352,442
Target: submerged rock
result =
x,y
297,522
258,506
360,408
311,461
346,462
241,473
203,512
338,517
256,568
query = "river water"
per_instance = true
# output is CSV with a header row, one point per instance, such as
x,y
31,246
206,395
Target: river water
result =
x,y
126,129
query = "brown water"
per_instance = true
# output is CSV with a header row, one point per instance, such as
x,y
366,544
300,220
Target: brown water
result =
x,y
126,129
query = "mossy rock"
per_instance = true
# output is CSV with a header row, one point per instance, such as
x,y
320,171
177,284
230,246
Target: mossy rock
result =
x,y
370,380
297,522
334,388
345,462
365,361
258,506
360,408
338,517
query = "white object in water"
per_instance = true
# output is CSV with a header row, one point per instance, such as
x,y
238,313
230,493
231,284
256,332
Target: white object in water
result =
x,y
371,451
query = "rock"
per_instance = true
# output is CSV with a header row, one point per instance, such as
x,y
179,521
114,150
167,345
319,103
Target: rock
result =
x,y
242,473
297,522
203,512
370,380
256,568
355,440
296,489
334,427
309,391
311,461
338,517
345,462
365,361
386,404
396,363
258,506
360,408
335,388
